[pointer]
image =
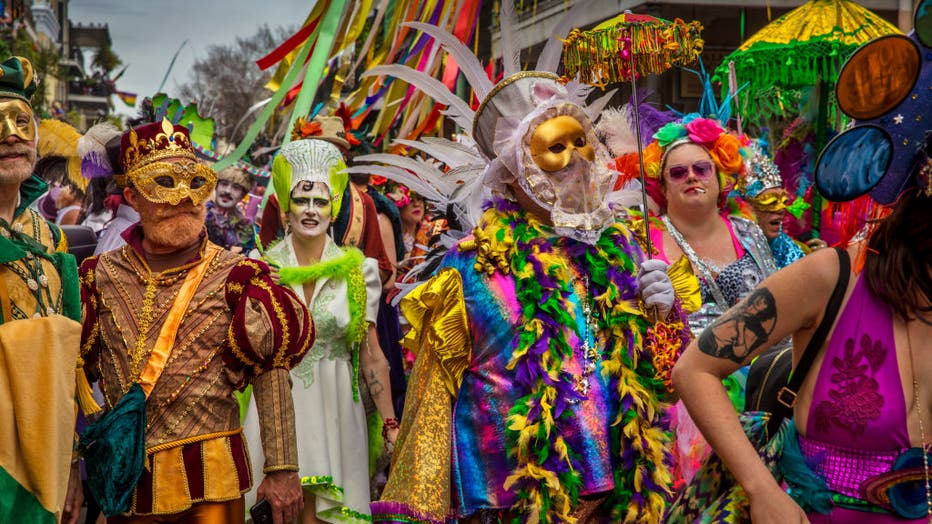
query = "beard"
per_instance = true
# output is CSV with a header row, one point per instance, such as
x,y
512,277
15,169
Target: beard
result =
x,y
173,227
17,162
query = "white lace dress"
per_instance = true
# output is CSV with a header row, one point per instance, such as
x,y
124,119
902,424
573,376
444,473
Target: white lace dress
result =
x,y
331,426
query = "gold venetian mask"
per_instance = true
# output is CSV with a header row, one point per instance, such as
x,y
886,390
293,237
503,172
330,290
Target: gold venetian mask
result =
x,y
553,142
771,201
16,118
172,182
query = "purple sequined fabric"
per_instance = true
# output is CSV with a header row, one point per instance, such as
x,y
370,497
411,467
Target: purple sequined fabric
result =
x,y
844,469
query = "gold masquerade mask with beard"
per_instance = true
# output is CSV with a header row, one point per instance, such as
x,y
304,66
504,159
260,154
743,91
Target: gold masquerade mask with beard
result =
x,y
565,171
172,182
16,118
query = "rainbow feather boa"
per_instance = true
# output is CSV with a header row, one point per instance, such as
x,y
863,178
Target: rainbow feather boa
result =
x,y
544,266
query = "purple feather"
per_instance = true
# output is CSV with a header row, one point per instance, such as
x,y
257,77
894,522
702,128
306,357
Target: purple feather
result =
x,y
91,167
651,118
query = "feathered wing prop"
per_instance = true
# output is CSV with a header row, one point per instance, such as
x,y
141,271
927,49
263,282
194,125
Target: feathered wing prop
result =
x,y
446,151
428,174
401,176
549,59
508,38
594,110
467,61
92,148
457,108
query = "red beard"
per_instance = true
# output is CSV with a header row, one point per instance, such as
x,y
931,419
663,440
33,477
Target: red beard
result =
x,y
176,230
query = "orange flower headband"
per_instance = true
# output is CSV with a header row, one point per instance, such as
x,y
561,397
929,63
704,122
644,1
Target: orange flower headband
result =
x,y
724,148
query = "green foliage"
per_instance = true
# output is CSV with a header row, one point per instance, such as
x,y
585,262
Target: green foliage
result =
x,y
45,60
105,61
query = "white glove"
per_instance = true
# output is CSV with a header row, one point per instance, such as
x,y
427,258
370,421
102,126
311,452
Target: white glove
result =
x,y
655,286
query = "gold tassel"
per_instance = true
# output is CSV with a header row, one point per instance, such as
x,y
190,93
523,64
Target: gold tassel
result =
x,y
84,391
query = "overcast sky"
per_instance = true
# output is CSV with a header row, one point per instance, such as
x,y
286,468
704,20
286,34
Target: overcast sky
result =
x,y
146,33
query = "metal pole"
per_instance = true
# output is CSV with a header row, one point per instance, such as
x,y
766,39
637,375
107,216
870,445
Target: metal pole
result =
x,y
637,133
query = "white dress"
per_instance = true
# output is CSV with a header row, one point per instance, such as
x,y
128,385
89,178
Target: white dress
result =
x,y
331,426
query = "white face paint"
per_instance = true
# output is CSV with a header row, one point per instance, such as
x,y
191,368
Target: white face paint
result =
x,y
309,211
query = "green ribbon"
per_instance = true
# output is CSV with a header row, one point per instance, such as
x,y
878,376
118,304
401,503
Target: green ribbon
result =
x,y
328,28
270,108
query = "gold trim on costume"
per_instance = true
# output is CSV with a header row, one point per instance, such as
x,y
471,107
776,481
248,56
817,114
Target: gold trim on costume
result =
x,y
437,314
356,217
166,340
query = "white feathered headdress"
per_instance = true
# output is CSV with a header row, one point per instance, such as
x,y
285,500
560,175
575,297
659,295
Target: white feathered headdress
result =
x,y
473,171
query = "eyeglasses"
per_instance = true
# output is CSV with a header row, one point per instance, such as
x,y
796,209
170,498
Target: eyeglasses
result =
x,y
703,169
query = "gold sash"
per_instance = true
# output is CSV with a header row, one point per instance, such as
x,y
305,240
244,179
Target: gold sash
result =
x,y
163,345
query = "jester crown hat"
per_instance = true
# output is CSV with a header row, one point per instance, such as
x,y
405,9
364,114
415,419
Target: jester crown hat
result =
x,y
310,160
17,78
154,142
886,85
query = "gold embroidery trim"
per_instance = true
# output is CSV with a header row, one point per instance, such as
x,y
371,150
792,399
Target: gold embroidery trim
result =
x,y
166,340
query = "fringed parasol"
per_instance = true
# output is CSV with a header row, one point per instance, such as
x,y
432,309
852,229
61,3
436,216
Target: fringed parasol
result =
x,y
806,46
626,48
603,54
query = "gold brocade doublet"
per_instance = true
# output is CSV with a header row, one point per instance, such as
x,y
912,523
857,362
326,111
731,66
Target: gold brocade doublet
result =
x,y
238,328
133,306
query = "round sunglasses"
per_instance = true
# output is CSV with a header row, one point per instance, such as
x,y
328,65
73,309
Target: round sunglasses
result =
x,y
703,169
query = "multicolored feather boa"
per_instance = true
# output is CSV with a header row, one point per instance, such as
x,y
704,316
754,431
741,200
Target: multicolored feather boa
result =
x,y
346,267
544,267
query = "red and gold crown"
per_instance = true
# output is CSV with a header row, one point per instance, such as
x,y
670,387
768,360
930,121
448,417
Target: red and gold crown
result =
x,y
153,142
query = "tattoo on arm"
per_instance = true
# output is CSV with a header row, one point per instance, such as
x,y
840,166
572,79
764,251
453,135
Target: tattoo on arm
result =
x,y
375,386
743,329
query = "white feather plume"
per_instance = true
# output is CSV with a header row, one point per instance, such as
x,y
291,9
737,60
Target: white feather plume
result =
x,y
401,176
508,38
549,59
94,141
594,110
426,172
616,129
465,58
458,109
444,150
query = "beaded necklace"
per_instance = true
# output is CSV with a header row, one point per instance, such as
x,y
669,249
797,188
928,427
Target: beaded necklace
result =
x,y
922,434
29,268
546,478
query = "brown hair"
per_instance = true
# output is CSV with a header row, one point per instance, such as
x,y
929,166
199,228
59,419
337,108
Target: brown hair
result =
x,y
898,265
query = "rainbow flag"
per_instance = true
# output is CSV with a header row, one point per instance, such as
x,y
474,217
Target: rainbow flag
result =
x,y
127,98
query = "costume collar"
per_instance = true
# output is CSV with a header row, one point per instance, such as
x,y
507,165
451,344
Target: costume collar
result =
x,y
30,191
133,236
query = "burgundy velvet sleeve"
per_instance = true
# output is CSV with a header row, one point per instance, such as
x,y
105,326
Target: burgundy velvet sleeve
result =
x,y
373,247
271,328
270,333
90,330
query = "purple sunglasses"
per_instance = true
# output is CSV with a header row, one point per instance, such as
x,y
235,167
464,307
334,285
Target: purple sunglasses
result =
x,y
703,169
